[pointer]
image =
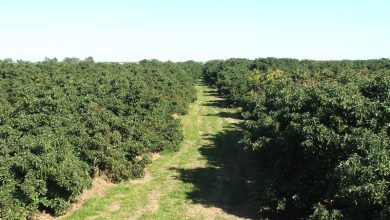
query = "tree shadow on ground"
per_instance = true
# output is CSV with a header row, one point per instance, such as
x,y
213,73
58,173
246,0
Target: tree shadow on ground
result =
x,y
212,92
232,115
218,103
229,179
203,82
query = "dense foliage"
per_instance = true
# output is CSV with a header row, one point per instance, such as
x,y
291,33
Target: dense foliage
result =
x,y
320,131
61,123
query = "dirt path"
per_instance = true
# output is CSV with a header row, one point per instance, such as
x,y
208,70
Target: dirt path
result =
x,y
209,178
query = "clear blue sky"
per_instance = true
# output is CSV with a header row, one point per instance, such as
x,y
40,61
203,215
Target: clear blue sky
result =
x,y
201,30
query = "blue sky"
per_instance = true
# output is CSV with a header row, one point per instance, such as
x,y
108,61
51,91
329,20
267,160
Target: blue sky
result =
x,y
194,29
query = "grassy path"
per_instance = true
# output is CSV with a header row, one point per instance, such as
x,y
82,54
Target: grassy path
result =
x,y
209,178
